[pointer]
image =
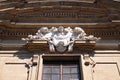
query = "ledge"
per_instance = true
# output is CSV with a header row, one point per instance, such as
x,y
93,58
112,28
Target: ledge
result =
x,y
101,45
107,51
43,46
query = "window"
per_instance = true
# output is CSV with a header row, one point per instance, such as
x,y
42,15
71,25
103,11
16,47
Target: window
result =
x,y
61,70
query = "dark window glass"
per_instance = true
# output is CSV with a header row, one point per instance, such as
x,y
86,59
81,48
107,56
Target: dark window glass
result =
x,y
47,70
46,77
55,77
56,69
66,77
61,70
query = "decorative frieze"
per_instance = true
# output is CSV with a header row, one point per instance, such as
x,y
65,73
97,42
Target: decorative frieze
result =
x,y
54,14
10,33
19,33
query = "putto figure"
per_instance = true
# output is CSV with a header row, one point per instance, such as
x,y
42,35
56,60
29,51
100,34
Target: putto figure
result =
x,y
60,39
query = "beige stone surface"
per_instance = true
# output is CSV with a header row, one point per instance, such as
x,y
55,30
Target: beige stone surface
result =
x,y
106,72
106,68
12,69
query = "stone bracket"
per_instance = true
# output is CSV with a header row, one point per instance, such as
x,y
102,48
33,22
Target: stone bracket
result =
x,y
88,60
35,59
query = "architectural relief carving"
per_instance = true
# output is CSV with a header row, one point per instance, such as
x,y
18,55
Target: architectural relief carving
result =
x,y
61,39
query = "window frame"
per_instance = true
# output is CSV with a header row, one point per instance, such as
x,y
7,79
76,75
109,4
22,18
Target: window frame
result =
x,y
66,58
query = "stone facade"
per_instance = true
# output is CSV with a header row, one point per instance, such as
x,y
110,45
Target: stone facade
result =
x,y
98,56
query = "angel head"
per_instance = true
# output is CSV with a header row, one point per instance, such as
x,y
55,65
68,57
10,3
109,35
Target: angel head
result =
x,y
44,30
78,30
60,29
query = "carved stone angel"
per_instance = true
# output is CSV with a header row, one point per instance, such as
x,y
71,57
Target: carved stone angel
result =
x,y
78,34
60,39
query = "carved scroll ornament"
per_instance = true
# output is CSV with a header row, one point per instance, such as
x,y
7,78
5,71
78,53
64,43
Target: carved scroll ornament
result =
x,y
60,39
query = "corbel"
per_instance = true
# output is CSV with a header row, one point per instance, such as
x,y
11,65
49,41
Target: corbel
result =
x,y
88,60
32,62
92,62
35,60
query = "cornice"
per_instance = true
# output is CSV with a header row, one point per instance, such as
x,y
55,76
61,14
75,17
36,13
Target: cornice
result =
x,y
34,3
17,31
7,25
92,10
100,48
101,18
59,15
